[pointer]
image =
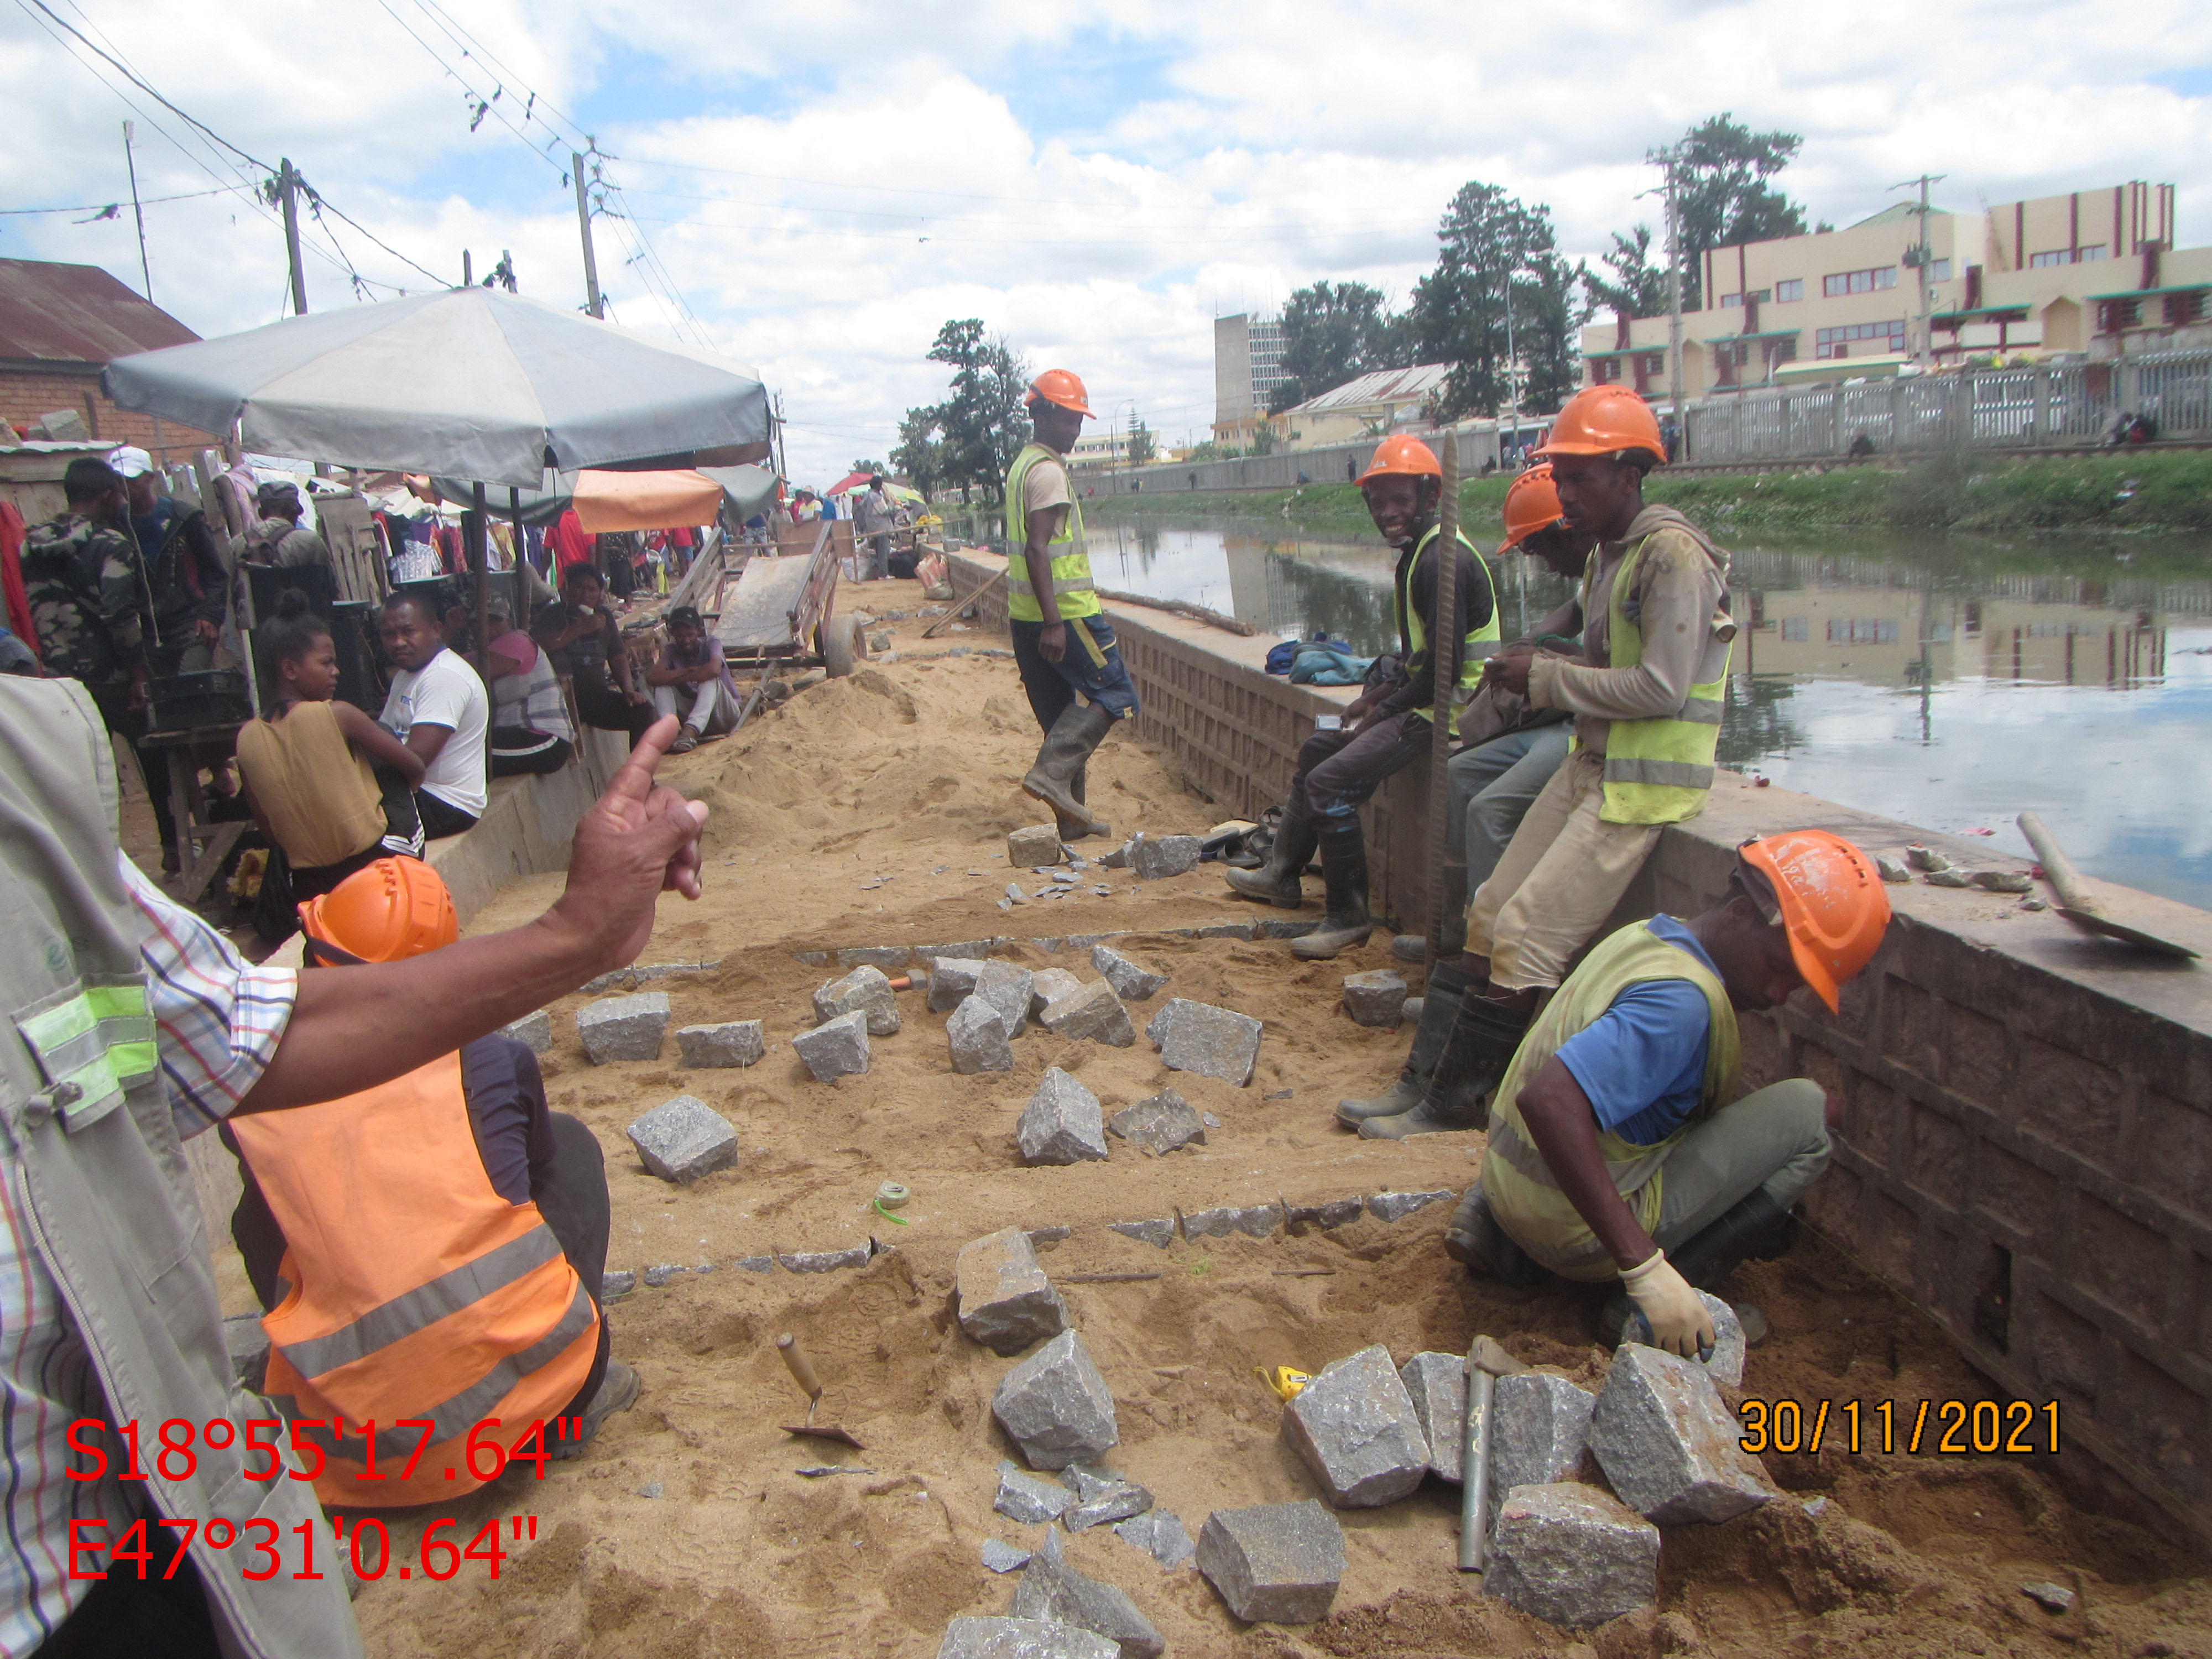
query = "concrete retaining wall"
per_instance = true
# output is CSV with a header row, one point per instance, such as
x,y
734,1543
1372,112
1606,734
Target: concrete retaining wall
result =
x,y
2023,1115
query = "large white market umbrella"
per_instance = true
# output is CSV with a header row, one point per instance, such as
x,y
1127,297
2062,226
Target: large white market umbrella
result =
x,y
469,382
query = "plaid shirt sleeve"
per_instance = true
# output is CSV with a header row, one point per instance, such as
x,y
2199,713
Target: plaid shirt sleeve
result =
x,y
217,1020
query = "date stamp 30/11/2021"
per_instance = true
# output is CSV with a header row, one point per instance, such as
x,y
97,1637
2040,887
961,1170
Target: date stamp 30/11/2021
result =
x,y
1944,1428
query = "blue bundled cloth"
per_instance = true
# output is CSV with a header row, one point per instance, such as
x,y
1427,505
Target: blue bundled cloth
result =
x,y
1316,664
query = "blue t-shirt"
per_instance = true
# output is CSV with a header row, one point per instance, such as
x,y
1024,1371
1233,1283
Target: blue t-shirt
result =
x,y
1642,1061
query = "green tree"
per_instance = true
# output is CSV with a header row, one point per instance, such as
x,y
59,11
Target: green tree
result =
x,y
868,467
919,457
1495,250
982,425
1142,447
1332,332
1636,285
1263,439
1723,197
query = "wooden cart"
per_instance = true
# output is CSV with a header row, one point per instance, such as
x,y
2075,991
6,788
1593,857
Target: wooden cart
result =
x,y
779,614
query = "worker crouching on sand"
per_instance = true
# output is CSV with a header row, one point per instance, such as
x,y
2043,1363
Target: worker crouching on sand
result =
x,y
1647,698
429,1250
1386,727
1071,667
1611,1152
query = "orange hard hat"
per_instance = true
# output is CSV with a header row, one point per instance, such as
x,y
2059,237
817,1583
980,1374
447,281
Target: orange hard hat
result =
x,y
1531,504
1401,456
1604,420
394,908
1834,908
1062,386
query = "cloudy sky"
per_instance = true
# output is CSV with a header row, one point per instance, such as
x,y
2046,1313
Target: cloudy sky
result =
x,y
813,189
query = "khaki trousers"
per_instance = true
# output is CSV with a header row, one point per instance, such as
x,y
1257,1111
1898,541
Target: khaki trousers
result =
x,y
1558,880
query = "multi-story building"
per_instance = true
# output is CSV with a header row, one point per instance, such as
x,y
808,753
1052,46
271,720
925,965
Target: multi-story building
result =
x,y
2093,273
1248,367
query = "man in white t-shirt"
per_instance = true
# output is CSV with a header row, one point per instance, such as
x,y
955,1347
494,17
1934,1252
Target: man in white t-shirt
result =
x,y
439,709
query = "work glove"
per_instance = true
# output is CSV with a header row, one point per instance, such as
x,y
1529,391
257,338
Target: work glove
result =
x,y
1674,1310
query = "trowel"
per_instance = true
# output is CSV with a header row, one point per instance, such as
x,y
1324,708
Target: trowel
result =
x,y
2076,905
801,1367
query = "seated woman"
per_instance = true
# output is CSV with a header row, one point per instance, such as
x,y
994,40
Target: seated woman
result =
x,y
330,788
530,731
579,633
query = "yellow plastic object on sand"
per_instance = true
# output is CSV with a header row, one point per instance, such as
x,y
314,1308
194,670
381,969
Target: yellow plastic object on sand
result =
x,y
1284,1381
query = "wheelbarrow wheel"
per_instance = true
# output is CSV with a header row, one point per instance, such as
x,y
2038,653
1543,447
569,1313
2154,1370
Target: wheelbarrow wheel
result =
x,y
843,645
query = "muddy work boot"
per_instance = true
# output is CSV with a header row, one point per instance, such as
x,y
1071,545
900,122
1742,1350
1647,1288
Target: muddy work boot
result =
x,y
1344,872
1439,1008
1474,1239
1482,1043
1276,881
1061,757
618,1392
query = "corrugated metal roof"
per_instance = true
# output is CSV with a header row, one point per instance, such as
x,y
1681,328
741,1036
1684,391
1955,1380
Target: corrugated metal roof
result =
x,y
61,313
1381,385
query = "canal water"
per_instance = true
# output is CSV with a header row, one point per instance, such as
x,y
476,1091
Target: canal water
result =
x,y
1947,681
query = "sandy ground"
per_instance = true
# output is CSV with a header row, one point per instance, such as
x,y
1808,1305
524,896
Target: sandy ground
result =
x,y
872,811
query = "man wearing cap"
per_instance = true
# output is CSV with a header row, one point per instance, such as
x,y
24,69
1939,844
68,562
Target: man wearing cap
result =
x,y
1388,727
280,538
690,679
1079,687
1614,1151
183,572
1646,695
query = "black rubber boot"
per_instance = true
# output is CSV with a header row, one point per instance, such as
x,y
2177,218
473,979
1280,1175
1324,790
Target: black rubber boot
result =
x,y
1454,939
1344,870
1473,1238
1482,1043
1078,730
1439,1008
1754,1228
1277,880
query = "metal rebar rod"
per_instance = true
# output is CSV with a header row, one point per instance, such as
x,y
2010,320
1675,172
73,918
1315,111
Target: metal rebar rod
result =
x,y
1474,1465
1445,646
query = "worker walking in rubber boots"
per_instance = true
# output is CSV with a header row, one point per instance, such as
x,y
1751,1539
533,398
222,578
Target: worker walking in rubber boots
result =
x,y
1493,782
1078,684
1388,727
1646,695
1613,1153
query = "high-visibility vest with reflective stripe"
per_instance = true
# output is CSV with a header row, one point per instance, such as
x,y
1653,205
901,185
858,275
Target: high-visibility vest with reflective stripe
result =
x,y
1410,628
1524,1195
1070,570
1659,770
414,1290
97,1042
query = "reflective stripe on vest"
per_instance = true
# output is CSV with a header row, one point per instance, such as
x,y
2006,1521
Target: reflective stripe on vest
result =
x,y
97,1042
1071,571
1417,636
1657,771
1524,1195
415,1292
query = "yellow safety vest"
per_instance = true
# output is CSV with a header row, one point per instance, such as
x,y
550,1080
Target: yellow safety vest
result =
x,y
1417,636
1523,1194
1659,770
1070,570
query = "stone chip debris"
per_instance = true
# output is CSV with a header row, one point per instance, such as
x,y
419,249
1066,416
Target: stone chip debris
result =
x,y
977,1037
1056,1408
865,990
1128,979
1355,1427
1028,1498
733,1042
1277,1563
533,1031
683,1139
1197,1037
1539,1430
1161,1534
1666,1443
1051,1588
999,1556
837,1048
1091,1013
1377,998
624,1028
1005,1301
1033,845
1160,1230
1102,1497
1023,1639
1165,1122
1062,1123
1572,1555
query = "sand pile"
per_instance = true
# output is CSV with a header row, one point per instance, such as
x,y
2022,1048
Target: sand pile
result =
x,y
854,816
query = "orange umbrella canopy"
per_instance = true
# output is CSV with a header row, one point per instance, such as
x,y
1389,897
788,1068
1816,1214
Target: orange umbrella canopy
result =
x,y
645,500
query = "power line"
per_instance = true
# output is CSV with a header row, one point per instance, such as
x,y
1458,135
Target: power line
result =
x,y
112,207
1108,242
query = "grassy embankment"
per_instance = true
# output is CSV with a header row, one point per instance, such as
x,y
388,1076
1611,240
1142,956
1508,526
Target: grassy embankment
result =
x,y
2163,491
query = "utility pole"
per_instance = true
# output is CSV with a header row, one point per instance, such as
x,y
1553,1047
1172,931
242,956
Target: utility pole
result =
x,y
1920,258
584,222
1512,382
1670,159
468,270
138,213
287,190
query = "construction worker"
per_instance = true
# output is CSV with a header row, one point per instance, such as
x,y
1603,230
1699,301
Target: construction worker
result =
x,y
1613,1152
1646,695
429,1248
1388,727
1078,684
1493,783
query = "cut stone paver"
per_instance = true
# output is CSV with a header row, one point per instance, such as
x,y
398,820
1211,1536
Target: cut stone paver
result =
x,y
1327,1213
952,980
1128,979
1377,998
1023,1639
1438,1383
1355,1427
826,1261
1056,1408
1048,986
533,1031
1051,1588
1165,1122
732,1042
1276,1563
1031,845
838,1048
1539,1430
1396,1206
683,1139
1027,1498
1666,1443
1571,1555
1062,1123
1007,985
1005,1301
1155,858
1091,1013
977,1037
1258,1220
624,1028
1725,1366
1197,1037
865,990
1160,1230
